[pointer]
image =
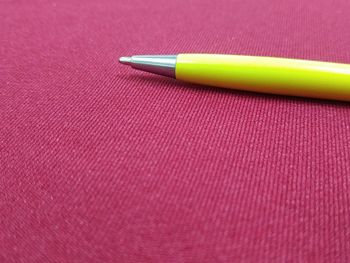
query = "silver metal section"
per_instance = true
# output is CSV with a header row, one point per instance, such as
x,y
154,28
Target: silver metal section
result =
x,y
125,60
161,65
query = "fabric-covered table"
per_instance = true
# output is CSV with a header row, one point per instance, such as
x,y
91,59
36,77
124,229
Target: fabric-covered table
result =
x,y
101,163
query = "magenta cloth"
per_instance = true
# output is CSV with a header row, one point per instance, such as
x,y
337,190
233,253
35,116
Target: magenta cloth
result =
x,y
102,163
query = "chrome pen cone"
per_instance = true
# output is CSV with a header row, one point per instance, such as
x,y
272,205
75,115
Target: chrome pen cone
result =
x,y
161,65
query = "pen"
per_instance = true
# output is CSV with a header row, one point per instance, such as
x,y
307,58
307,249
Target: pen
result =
x,y
294,77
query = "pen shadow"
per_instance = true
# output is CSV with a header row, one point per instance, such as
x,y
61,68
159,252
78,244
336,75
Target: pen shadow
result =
x,y
164,82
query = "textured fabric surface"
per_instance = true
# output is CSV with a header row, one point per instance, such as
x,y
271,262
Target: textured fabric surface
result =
x,y
101,163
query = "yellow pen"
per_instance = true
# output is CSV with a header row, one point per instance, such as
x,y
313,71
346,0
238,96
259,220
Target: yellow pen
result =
x,y
294,77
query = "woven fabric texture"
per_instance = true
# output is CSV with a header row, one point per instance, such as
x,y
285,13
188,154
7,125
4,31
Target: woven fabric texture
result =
x,y
102,163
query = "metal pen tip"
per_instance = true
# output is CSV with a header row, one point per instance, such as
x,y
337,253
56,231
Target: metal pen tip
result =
x,y
157,64
125,60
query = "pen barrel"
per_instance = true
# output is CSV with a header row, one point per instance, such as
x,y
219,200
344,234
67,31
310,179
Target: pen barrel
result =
x,y
266,74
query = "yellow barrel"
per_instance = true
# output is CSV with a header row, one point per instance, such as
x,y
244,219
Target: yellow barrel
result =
x,y
267,74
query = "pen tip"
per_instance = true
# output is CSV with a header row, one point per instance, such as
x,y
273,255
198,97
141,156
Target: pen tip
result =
x,y
125,60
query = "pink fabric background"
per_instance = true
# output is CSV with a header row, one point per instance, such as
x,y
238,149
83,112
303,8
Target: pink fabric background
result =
x,y
100,163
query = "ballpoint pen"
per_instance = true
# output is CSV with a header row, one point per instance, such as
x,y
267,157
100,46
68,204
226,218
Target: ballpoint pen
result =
x,y
283,76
